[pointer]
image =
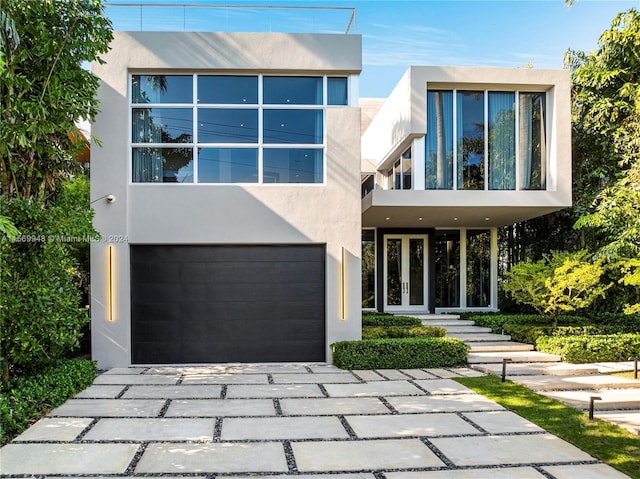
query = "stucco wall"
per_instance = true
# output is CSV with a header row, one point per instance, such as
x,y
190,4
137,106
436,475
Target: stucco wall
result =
x,y
222,214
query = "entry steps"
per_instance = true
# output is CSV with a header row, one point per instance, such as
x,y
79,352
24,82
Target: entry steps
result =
x,y
478,338
573,384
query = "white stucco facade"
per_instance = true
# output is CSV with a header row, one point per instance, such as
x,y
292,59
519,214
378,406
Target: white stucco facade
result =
x,y
220,214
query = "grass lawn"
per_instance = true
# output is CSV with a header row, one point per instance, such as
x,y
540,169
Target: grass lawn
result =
x,y
602,440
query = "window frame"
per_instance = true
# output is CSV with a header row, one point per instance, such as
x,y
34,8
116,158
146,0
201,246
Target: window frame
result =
x,y
545,93
260,106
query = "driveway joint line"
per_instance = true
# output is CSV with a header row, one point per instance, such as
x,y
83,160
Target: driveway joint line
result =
x,y
290,457
352,434
470,422
278,407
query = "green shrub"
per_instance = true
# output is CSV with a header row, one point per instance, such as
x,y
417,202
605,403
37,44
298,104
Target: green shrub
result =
x,y
376,332
41,307
630,323
24,399
587,349
527,333
497,321
559,283
389,320
399,353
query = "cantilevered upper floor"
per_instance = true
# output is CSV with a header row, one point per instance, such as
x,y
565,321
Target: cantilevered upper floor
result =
x,y
466,146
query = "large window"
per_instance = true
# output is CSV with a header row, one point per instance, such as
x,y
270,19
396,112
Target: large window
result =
x,y
231,128
368,269
490,140
447,264
399,175
478,268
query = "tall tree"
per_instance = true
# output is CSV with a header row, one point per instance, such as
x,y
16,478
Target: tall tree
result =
x,y
44,90
606,118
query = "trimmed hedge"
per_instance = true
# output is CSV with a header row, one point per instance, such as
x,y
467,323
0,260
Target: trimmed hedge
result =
x,y
587,349
399,353
378,319
527,333
376,332
24,399
497,321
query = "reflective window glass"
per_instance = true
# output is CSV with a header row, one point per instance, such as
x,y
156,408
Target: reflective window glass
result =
x,y
447,268
406,170
337,91
292,165
228,89
533,141
228,165
292,90
162,125
162,165
502,141
162,88
227,125
439,141
478,268
293,126
368,269
470,128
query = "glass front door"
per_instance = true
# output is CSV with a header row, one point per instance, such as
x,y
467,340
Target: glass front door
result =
x,y
405,272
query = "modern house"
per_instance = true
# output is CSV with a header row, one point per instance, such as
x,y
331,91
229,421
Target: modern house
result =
x,y
244,217
450,156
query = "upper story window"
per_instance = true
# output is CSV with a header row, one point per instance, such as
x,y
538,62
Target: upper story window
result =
x,y
479,140
399,175
231,128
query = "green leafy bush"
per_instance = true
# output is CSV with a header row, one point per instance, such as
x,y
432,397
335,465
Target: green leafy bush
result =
x,y
378,319
587,349
399,353
24,399
560,283
41,313
630,322
526,333
376,332
497,322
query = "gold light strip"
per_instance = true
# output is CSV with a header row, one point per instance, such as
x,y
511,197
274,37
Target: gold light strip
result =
x,y
343,283
110,286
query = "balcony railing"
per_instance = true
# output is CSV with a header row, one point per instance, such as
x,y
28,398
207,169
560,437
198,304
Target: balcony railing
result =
x,y
231,18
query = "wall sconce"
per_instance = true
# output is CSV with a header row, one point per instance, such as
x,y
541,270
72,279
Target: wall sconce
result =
x,y
343,284
110,283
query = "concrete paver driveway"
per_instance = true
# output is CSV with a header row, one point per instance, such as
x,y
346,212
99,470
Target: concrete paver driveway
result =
x,y
290,420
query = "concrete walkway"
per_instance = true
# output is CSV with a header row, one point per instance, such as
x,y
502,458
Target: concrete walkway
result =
x,y
290,420
574,384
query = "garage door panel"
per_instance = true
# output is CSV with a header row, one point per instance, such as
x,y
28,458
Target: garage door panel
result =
x,y
227,303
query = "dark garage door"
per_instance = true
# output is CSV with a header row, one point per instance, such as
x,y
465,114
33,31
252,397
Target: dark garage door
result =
x,y
204,304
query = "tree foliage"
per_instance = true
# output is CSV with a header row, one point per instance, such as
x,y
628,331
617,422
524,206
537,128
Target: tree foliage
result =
x,y
40,312
44,90
606,118
45,218
562,282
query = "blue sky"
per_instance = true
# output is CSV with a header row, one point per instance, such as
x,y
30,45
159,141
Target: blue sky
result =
x,y
396,34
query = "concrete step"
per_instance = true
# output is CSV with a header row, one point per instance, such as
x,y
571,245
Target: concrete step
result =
x,y
432,317
591,382
480,337
536,369
455,329
500,347
630,420
447,322
489,357
611,399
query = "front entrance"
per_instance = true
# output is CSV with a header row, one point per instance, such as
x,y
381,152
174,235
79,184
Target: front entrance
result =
x,y
405,272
